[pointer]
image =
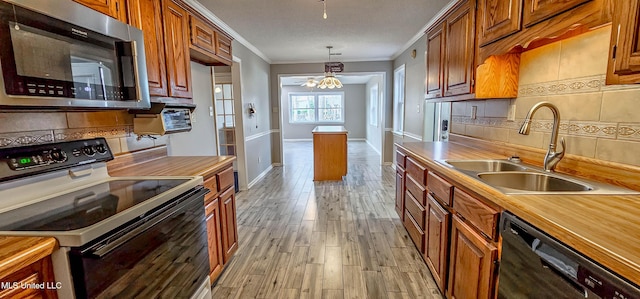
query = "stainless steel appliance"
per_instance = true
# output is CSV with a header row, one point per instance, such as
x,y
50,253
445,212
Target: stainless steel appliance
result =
x,y
120,237
61,54
534,265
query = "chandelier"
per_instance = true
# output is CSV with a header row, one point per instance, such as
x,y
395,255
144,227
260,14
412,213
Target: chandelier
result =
x,y
330,81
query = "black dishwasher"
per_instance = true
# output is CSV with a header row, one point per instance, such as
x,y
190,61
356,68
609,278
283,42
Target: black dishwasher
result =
x,y
534,265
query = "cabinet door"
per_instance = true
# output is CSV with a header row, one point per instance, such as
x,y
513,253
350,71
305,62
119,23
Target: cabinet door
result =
x,y
223,49
112,8
498,18
437,241
33,274
214,238
400,193
146,15
460,50
624,55
539,10
176,34
229,224
471,271
435,55
202,36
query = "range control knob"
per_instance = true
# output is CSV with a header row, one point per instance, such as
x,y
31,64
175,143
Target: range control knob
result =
x,y
101,149
89,150
58,155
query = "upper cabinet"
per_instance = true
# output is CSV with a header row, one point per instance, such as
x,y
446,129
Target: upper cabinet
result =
x,y
208,45
536,11
498,18
459,49
513,26
451,61
624,52
176,45
112,8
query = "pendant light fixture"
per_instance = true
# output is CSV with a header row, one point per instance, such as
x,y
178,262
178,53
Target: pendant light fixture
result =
x,y
324,9
330,81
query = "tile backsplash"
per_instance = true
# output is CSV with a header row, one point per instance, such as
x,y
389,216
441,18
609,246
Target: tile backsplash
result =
x,y
597,120
28,128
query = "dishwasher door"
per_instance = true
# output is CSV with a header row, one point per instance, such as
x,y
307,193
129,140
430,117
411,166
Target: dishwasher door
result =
x,y
534,265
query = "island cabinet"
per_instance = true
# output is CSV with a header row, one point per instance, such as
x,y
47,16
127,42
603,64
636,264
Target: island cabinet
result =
x,y
455,232
624,53
222,229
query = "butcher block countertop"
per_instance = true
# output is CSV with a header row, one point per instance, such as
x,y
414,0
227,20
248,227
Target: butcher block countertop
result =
x,y
19,252
605,228
177,166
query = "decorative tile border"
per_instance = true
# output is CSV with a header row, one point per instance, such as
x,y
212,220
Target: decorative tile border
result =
x,y
569,86
623,131
107,132
629,131
25,138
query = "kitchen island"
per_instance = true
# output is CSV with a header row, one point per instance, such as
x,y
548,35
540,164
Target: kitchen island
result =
x,y
329,153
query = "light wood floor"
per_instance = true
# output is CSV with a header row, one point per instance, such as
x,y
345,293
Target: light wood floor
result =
x,y
300,239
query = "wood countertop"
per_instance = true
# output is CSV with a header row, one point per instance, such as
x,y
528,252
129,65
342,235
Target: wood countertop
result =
x,y
329,130
19,252
606,228
177,166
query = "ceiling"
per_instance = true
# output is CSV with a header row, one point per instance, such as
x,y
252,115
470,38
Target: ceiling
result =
x,y
345,79
293,31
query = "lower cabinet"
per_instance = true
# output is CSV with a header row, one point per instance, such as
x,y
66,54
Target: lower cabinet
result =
x,y
472,263
437,241
222,228
400,193
36,273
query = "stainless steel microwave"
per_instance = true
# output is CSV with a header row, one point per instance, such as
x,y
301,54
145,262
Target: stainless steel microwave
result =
x,y
63,55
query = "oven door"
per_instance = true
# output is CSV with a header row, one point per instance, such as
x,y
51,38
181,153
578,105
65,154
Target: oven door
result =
x,y
49,62
163,254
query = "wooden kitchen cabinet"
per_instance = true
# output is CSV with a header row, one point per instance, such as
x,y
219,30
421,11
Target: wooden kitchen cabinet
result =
x,y
472,262
146,15
223,49
460,50
536,11
624,49
436,253
35,273
176,35
400,193
203,37
214,238
207,44
434,61
229,225
497,19
112,8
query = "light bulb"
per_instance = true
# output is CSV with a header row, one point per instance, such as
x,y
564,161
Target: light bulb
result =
x,y
324,10
324,15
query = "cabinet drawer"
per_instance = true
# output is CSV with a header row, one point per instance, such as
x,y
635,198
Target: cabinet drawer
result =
x,y
418,191
225,179
417,171
416,234
416,209
440,188
211,184
477,213
212,206
400,159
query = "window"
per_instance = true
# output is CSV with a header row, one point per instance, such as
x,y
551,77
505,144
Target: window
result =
x,y
315,107
398,99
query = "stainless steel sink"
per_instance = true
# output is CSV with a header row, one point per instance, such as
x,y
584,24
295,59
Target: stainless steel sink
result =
x,y
485,165
531,181
519,178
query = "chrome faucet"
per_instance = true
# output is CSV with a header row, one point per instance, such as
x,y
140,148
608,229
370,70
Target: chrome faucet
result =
x,y
552,157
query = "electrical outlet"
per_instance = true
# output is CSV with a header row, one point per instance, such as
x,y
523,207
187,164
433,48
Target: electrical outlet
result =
x,y
418,107
210,110
193,118
511,114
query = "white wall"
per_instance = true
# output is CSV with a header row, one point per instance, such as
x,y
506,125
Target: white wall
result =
x,y
374,133
355,113
201,140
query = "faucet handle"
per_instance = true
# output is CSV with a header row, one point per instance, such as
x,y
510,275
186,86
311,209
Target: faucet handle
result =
x,y
564,146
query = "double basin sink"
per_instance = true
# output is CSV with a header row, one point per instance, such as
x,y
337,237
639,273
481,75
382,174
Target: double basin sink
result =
x,y
518,178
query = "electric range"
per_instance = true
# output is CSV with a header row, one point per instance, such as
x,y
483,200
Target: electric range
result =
x,y
108,228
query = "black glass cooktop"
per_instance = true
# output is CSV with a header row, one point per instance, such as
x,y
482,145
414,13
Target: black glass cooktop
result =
x,y
84,207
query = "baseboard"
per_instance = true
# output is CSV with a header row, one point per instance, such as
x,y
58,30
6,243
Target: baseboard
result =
x,y
276,164
356,139
373,147
389,164
393,165
260,176
298,140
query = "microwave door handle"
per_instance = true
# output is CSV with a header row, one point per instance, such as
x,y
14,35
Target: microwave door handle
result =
x,y
102,82
136,76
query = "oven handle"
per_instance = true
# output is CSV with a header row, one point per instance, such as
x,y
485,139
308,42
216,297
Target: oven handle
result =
x,y
148,222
